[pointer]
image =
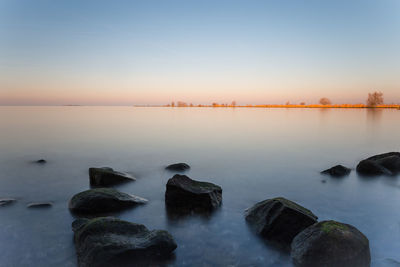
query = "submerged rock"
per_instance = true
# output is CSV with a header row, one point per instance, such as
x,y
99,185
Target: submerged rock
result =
x,y
186,194
39,205
41,161
106,240
331,244
386,164
107,176
6,201
337,171
102,200
178,167
279,219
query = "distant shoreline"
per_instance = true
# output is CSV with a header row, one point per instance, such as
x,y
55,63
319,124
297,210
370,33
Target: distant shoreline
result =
x,y
279,106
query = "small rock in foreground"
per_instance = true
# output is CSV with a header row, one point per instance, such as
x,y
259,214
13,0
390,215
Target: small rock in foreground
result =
x,y
106,240
184,194
279,219
337,171
178,167
39,205
106,176
331,244
102,200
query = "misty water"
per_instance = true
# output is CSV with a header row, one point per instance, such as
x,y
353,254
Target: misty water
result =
x,y
253,154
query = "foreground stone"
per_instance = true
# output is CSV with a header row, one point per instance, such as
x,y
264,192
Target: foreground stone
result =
x,y
383,164
104,241
337,171
39,205
6,201
101,200
186,194
331,244
178,167
106,176
279,219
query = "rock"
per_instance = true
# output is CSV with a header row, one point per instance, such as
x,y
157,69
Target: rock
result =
x,y
6,201
107,176
39,205
101,200
337,171
383,164
41,161
279,220
105,240
331,244
186,194
178,167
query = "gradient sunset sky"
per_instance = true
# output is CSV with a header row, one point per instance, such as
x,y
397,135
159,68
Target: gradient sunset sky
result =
x,y
154,52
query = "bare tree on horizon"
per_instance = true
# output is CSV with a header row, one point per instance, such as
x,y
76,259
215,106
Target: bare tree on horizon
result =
x,y
325,101
374,99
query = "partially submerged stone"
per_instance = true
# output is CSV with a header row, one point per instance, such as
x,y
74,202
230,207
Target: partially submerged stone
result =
x,y
383,164
41,161
330,244
183,193
279,219
39,205
102,200
106,176
6,201
106,240
337,171
178,167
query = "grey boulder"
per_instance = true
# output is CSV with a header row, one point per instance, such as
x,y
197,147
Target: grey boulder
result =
x,y
106,176
330,244
103,200
383,164
337,171
108,241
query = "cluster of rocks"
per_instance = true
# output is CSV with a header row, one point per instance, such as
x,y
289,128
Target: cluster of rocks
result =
x,y
311,243
108,241
382,164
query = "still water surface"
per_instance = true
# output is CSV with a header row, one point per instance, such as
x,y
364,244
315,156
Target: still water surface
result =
x,y
254,154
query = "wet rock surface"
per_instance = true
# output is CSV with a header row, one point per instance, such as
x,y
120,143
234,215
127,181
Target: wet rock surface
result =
x,y
337,171
106,176
103,200
108,241
330,244
184,194
178,167
39,205
383,164
6,201
279,220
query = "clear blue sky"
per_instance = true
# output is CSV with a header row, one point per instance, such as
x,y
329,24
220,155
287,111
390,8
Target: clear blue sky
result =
x,y
132,52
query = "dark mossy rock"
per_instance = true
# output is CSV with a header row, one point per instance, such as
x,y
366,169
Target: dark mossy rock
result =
x,y
184,194
105,241
337,171
106,176
279,220
6,201
39,205
41,161
331,244
102,200
178,167
383,164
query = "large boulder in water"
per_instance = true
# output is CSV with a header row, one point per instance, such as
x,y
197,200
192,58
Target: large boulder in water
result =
x,y
102,200
337,171
108,241
178,167
330,244
106,176
279,219
387,164
185,194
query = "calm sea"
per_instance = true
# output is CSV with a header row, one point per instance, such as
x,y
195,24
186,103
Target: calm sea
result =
x,y
254,154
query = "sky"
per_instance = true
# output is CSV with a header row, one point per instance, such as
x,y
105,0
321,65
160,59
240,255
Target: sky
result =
x,y
157,51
